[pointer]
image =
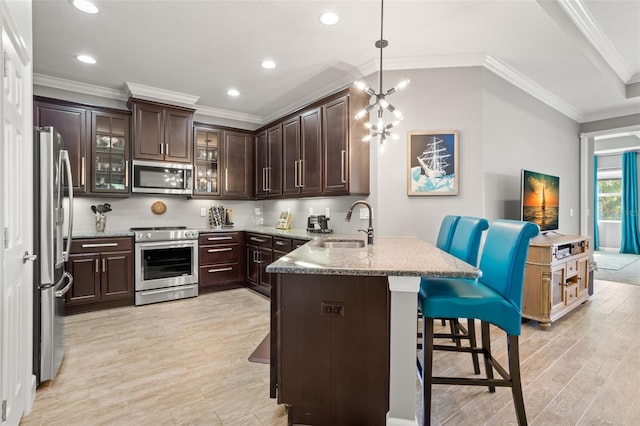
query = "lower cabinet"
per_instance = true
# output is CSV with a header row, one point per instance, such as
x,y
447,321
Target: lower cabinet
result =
x,y
221,258
259,255
102,270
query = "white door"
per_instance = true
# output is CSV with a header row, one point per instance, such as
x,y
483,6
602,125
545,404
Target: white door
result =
x,y
16,221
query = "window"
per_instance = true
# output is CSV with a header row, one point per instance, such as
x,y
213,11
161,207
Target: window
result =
x,y
609,199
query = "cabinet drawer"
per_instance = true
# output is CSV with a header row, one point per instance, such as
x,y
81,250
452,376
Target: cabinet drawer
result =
x,y
571,268
99,245
259,240
221,273
282,244
219,254
210,238
570,294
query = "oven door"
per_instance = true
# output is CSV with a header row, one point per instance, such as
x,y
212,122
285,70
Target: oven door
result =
x,y
166,264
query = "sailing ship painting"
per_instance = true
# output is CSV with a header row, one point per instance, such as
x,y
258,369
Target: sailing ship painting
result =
x,y
433,163
540,199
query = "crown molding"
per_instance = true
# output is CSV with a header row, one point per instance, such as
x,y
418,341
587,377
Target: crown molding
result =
x,y
519,80
583,20
74,86
231,115
153,93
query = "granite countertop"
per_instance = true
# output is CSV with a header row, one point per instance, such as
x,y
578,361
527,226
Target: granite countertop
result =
x,y
106,234
301,234
389,256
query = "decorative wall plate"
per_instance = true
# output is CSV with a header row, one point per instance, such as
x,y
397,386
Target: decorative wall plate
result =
x,y
158,207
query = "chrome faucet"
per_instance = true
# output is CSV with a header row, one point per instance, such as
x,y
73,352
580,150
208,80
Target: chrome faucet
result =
x,y
369,230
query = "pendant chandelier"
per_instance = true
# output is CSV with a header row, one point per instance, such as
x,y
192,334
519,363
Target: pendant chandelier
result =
x,y
379,128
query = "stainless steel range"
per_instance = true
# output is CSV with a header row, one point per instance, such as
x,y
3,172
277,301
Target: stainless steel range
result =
x,y
166,264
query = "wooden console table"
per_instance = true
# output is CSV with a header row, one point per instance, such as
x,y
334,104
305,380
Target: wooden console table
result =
x,y
556,277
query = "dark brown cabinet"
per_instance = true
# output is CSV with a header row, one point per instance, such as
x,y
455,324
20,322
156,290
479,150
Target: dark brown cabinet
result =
x,y
162,132
268,160
291,156
207,160
221,258
259,251
310,163
109,152
102,270
237,154
71,122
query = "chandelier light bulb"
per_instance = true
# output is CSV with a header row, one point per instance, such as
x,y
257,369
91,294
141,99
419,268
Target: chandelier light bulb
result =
x,y
366,138
367,125
360,85
384,103
402,84
398,114
361,114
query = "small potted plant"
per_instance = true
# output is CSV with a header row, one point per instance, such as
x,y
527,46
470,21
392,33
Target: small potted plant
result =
x,y
101,218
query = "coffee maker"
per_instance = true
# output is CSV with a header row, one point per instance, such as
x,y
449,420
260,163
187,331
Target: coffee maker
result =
x,y
318,223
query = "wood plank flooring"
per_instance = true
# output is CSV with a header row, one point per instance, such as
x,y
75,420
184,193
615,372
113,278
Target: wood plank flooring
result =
x,y
185,363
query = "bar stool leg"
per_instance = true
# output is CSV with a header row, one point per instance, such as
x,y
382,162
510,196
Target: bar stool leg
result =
x,y
514,371
486,350
427,369
471,329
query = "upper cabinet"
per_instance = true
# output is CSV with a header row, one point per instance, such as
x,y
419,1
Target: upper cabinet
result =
x,y
97,140
322,150
109,152
237,161
162,132
71,122
207,160
268,170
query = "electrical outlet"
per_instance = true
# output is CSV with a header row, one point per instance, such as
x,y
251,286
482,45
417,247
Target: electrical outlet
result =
x,y
570,212
332,309
364,213
327,212
203,211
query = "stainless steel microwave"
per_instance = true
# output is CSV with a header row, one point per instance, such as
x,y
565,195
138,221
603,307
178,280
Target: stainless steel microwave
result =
x,y
154,177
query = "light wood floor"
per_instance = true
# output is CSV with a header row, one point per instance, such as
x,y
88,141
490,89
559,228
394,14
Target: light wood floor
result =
x,y
185,363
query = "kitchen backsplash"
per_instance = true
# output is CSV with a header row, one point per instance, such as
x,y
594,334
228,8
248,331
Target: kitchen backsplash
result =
x,y
136,211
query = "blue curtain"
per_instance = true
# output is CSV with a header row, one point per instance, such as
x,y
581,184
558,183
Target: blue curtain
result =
x,y
630,241
596,237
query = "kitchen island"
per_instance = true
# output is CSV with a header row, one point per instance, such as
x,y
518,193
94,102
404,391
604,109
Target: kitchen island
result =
x,y
344,328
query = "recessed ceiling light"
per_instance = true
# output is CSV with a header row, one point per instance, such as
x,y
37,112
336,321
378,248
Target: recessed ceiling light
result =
x,y
329,18
268,64
233,92
86,59
85,6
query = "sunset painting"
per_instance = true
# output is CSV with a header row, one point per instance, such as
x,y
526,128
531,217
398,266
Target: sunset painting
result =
x,y
540,199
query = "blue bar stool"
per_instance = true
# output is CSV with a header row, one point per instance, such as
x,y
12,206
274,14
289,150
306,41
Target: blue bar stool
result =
x,y
495,298
465,245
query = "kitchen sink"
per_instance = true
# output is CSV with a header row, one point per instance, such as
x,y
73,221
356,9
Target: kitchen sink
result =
x,y
341,243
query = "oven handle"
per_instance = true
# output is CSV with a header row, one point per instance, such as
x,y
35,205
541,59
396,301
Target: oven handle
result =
x,y
168,244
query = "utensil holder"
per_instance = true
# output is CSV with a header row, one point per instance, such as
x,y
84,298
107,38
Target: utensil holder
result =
x,y
101,222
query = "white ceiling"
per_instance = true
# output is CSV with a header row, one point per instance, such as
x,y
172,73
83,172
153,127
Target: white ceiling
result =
x,y
579,56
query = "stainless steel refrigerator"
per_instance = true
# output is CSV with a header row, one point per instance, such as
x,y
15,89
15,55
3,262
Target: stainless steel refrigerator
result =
x,y
51,181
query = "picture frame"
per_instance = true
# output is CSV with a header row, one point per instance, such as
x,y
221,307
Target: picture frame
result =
x,y
432,163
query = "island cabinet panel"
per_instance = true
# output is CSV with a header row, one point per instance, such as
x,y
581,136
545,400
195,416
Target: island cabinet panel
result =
x,y
332,348
162,132
102,270
221,258
556,279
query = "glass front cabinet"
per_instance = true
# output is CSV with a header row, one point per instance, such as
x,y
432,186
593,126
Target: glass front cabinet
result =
x,y
110,152
207,155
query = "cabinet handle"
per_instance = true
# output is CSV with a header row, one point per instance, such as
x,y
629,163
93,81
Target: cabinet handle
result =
x,y
100,245
301,171
166,149
279,243
97,270
226,179
161,149
343,159
219,238
295,174
104,263
264,179
258,257
269,179
219,250
220,270
126,174
82,172
257,240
